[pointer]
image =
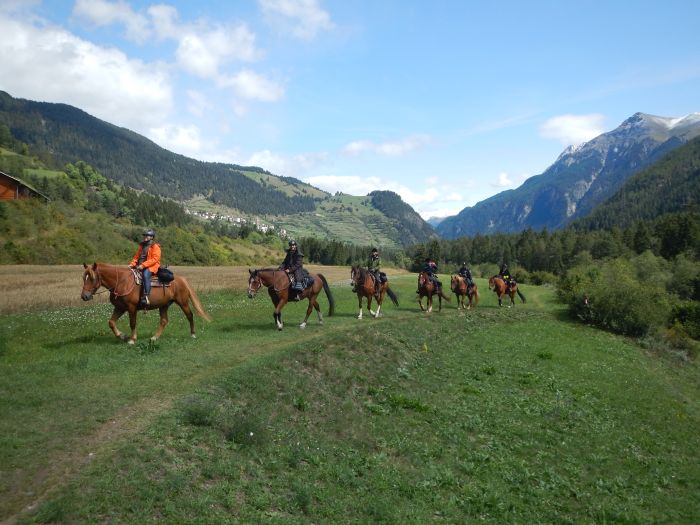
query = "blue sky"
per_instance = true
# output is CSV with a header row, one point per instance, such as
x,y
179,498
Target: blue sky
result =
x,y
444,102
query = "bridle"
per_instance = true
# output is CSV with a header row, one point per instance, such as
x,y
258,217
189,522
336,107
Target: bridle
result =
x,y
253,281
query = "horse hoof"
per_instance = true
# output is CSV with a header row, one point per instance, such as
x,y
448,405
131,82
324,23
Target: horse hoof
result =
x,y
154,338
302,325
320,322
131,342
194,336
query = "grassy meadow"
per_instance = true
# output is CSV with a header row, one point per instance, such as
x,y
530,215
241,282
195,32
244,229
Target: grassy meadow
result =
x,y
493,415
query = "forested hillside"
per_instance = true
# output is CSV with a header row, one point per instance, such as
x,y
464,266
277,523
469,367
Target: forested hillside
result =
x,y
58,134
671,185
65,133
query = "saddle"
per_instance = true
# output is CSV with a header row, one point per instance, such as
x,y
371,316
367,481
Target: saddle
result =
x,y
306,282
163,277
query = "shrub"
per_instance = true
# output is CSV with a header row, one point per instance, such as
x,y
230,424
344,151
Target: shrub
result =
x,y
613,298
688,316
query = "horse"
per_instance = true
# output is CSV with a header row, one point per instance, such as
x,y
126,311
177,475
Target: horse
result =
x,y
501,288
125,296
426,288
462,291
363,282
277,283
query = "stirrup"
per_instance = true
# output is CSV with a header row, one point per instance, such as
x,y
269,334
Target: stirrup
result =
x,y
145,301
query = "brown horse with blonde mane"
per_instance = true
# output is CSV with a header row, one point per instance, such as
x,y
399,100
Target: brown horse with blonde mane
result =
x,y
277,283
462,290
363,282
125,296
427,289
502,288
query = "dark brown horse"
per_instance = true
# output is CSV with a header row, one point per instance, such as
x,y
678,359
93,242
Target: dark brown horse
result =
x,y
125,295
501,288
363,282
462,290
277,284
426,288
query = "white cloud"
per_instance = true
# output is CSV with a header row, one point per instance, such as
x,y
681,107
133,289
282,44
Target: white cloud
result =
x,y
253,86
43,62
503,181
573,129
391,148
301,18
289,166
185,140
202,53
104,13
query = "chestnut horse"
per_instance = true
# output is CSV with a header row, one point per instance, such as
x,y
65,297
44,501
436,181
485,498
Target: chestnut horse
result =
x,y
363,282
426,288
277,283
125,295
462,291
501,288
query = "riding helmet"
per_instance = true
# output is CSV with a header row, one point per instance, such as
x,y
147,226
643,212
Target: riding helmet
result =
x,y
150,232
292,242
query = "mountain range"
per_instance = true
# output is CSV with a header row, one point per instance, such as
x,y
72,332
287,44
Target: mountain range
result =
x,y
68,134
580,179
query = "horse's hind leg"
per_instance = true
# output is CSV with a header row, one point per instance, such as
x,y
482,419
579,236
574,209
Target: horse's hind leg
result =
x,y
163,322
116,314
188,313
318,311
308,313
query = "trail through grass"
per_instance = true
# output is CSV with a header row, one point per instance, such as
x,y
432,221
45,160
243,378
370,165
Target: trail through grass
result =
x,y
496,415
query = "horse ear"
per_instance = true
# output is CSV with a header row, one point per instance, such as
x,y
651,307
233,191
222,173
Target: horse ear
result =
x,y
94,266
250,271
85,266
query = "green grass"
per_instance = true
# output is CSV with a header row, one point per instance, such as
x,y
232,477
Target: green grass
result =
x,y
494,415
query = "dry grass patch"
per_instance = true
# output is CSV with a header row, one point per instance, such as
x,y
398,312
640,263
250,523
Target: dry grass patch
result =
x,y
37,287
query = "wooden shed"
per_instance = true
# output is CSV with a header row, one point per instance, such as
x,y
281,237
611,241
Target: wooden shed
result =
x,y
12,188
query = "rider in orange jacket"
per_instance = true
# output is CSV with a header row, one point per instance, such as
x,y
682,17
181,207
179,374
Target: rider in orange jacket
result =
x,y
147,260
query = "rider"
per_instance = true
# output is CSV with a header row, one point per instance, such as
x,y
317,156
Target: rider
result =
x,y
431,268
293,266
147,260
466,273
374,267
505,274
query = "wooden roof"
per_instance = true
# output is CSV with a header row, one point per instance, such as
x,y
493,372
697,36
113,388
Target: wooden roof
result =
x,y
22,183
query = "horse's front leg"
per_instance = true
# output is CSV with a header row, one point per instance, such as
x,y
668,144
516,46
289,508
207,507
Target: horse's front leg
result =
x,y
278,313
132,323
420,303
116,314
359,305
369,304
163,322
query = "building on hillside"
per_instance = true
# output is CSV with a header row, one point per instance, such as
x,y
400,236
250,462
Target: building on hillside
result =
x,y
12,188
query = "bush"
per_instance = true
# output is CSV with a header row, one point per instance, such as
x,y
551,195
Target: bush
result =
x,y
688,316
613,298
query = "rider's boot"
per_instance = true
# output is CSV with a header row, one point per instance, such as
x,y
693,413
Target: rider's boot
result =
x,y
145,301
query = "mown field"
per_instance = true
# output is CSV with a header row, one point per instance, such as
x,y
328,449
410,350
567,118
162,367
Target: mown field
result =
x,y
493,415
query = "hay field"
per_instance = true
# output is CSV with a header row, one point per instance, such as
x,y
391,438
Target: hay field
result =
x,y
38,287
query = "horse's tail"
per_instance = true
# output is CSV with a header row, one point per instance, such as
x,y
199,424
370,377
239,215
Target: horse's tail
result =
x,y
520,295
331,301
445,297
195,301
392,296
476,295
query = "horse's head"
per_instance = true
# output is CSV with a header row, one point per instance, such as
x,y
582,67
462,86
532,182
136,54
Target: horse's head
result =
x,y
354,275
254,283
91,281
492,281
454,281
